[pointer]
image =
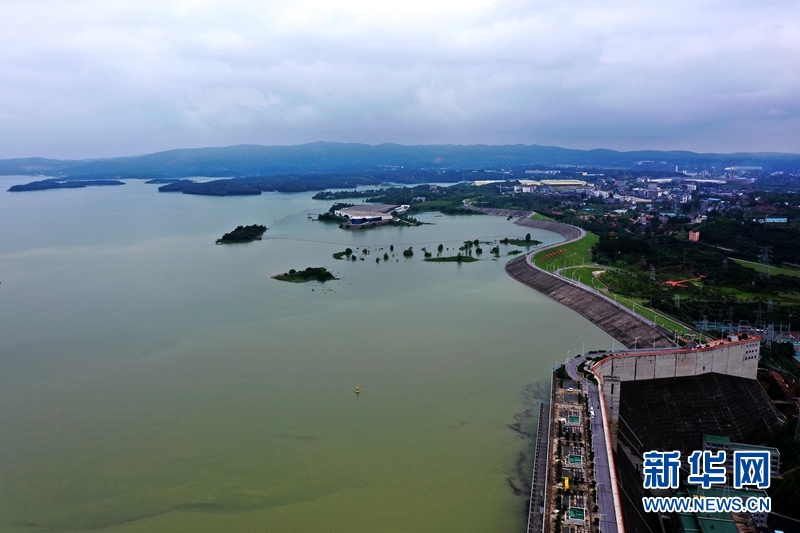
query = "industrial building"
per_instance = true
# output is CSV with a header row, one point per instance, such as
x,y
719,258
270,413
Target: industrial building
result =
x,y
370,213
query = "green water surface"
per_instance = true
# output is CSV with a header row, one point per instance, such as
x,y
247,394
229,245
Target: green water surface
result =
x,y
153,381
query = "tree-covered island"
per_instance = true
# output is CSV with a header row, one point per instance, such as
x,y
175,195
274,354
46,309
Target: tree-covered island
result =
x,y
243,234
45,185
527,241
452,259
320,274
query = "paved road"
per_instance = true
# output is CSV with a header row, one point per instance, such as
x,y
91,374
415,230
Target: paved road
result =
x,y
541,462
602,470
618,321
610,316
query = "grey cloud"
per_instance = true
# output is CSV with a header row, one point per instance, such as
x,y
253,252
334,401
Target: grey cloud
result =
x,y
85,79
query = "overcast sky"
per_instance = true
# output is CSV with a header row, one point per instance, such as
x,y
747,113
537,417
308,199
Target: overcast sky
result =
x,y
103,78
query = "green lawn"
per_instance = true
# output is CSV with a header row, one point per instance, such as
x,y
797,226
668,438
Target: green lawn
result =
x,y
538,216
577,253
735,293
585,275
773,270
653,315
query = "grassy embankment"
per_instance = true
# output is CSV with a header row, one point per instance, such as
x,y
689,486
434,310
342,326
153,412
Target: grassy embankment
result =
x,y
773,270
576,253
579,253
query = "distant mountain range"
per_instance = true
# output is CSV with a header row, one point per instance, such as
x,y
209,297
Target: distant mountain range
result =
x,y
327,158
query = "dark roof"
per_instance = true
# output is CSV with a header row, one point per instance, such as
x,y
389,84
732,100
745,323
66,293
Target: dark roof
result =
x,y
674,413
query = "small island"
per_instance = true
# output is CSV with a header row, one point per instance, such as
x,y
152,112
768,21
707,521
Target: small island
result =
x,y
339,255
521,242
320,274
162,181
452,259
45,185
243,234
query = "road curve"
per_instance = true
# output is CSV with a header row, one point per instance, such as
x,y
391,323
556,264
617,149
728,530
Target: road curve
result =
x,y
613,318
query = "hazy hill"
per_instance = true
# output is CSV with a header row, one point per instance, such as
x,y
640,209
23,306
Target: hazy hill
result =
x,y
324,157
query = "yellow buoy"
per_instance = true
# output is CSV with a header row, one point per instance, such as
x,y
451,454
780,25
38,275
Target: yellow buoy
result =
x,y
358,390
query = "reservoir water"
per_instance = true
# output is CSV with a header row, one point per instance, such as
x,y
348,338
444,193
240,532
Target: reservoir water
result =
x,y
153,381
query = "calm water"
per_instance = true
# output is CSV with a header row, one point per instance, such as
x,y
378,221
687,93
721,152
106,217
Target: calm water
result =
x,y
152,381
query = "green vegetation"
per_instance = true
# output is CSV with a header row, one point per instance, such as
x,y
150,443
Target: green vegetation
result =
x,y
320,274
452,259
447,200
661,319
331,216
402,219
747,238
258,184
561,374
44,185
580,252
338,255
778,355
575,253
243,234
342,195
161,181
585,275
212,188
773,270
691,280
527,241
452,200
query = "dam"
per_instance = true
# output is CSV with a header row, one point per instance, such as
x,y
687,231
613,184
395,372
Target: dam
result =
x,y
607,409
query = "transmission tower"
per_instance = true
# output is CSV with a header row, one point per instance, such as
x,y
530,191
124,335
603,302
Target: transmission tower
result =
x,y
769,306
677,300
769,334
764,260
652,273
